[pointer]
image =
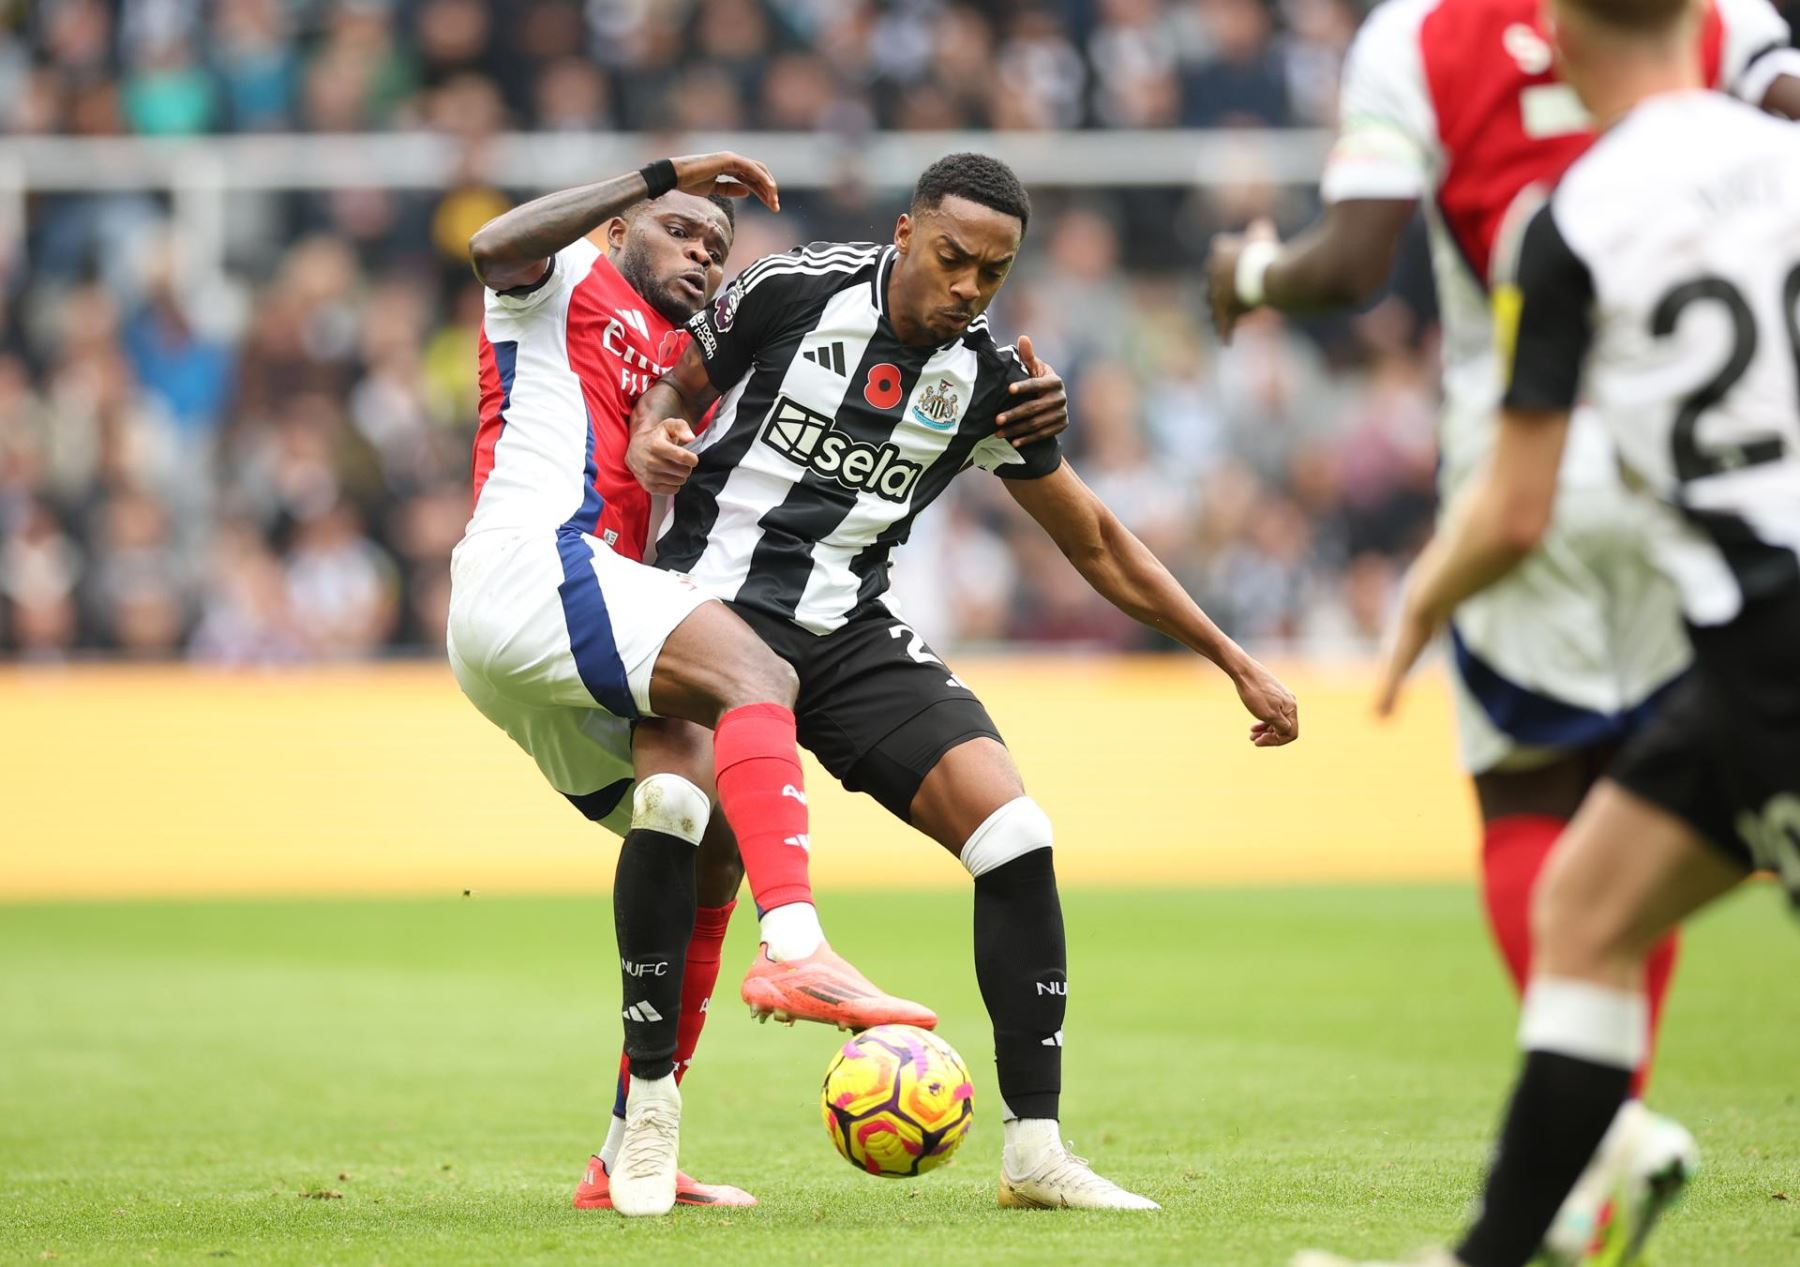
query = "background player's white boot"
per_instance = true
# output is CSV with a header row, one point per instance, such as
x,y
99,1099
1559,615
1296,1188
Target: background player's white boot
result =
x,y
1640,1169
643,1180
1038,1172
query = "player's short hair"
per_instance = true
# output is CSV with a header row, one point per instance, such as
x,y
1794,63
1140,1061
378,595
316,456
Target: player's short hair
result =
x,y
728,206
718,200
978,177
1636,17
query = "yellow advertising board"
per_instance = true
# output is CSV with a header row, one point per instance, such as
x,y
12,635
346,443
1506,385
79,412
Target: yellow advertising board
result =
x,y
123,781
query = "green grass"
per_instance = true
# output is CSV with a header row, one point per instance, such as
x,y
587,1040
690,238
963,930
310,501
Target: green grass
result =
x,y
1278,1068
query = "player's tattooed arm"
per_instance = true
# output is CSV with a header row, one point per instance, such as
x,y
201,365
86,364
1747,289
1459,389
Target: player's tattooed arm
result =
x,y
1122,570
1342,261
1042,410
515,249
1488,533
660,433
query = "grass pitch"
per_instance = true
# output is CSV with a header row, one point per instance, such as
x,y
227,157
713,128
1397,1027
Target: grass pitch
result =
x,y
421,1082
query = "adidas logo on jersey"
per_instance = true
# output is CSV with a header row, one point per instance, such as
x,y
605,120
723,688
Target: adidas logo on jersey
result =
x,y
812,440
830,356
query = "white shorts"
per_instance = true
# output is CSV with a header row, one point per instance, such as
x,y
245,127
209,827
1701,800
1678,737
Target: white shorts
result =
x,y
1569,650
553,636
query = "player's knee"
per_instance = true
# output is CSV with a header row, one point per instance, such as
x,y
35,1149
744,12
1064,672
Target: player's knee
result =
x,y
718,869
670,804
781,684
1015,829
763,678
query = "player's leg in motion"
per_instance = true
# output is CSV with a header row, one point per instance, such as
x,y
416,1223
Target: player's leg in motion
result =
x,y
719,871
1524,814
974,804
1626,875
673,855
714,670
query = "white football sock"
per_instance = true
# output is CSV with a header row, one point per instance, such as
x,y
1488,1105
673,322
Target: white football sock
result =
x,y
609,1151
792,931
1028,1141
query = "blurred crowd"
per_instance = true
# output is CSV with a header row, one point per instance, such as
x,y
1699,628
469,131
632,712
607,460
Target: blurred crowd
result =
x,y
271,465
174,67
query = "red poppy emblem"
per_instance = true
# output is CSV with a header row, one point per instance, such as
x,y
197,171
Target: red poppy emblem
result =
x,y
882,391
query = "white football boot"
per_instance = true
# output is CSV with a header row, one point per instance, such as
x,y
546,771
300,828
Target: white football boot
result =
x,y
1319,1258
1640,1170
643,1178
1062,1181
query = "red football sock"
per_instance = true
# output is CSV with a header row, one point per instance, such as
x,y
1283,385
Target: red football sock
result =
x,y
697,980
1659,971
1514,849
763,795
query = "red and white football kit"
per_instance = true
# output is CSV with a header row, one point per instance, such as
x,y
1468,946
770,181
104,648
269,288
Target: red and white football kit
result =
x,y
555,622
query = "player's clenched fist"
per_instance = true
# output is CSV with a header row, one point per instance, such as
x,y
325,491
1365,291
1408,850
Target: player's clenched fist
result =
x,y
659,457
1272,704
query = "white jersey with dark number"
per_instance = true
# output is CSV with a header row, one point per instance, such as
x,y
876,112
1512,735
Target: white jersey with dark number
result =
x,y
1661,285
1456,103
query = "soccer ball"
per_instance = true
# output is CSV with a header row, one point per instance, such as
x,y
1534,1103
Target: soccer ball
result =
x,y
897,1101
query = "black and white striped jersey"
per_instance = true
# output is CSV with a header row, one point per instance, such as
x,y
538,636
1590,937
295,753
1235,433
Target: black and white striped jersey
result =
x,y
1661,284
831,435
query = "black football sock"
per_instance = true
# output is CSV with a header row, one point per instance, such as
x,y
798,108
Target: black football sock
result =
x,y
1559,1113
1021,963
653,916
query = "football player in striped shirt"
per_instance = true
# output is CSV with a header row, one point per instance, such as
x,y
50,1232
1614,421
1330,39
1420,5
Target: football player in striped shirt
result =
x,y
853,382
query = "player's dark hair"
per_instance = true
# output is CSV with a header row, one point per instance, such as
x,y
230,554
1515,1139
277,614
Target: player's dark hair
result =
x,y
979,178
727,205
1634,17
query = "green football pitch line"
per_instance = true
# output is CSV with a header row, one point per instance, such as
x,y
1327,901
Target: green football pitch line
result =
x,y
421,1082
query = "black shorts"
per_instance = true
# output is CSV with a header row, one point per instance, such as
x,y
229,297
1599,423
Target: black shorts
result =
x,y
1722,751
877,707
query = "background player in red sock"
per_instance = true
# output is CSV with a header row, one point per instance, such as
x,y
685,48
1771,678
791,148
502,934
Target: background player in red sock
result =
x,y
1689,205
1456,106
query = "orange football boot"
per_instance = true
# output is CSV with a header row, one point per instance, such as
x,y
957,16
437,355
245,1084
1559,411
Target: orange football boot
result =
x,y
824,987
594,1192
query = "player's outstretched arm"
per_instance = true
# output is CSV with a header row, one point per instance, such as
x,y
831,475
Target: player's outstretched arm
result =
x,y
515,249
658,454
1123,571
1342,261
1487,534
